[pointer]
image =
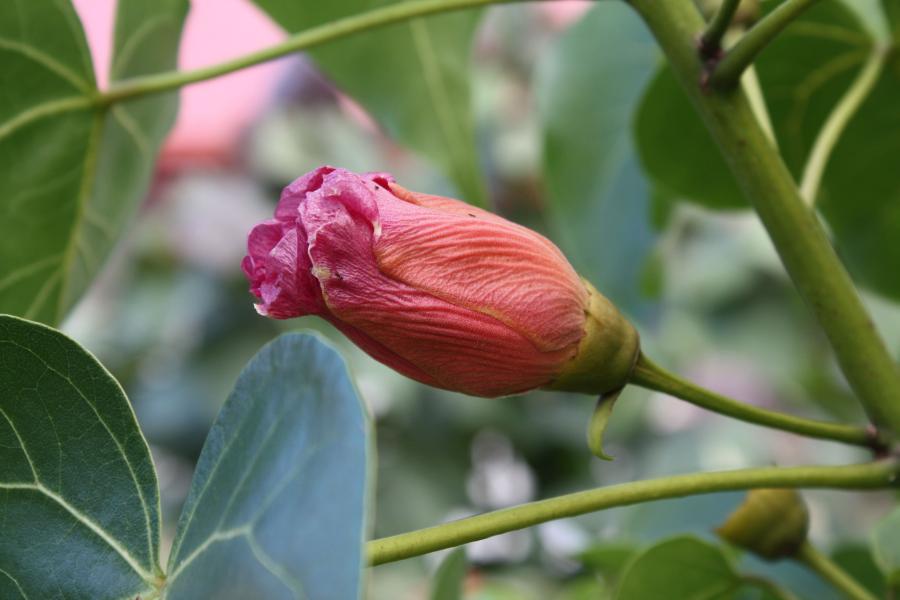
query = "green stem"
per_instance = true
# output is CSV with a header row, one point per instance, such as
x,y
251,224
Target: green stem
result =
x,y
832,573
727,72
878,474
649,375
315,36
711,40
834,126
795,230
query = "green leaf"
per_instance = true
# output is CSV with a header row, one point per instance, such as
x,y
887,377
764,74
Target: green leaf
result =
x,y
277,506
860,195
73,171
886,546
680,568
803,73
412,77
79,503
450,577
857,560
598,197
677,150
608,559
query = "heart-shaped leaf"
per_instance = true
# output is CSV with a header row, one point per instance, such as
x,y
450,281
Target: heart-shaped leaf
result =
x,y
277,507
79,506
74,169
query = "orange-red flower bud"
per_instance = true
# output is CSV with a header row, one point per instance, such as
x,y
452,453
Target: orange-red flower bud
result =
x,y
443,292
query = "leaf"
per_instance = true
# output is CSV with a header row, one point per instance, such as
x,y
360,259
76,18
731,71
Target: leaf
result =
x,y
803,73
684,567
277,506
886,547
598,422
79,503
412,77
73,171
449,579
597,196
857,560
860,195
608,559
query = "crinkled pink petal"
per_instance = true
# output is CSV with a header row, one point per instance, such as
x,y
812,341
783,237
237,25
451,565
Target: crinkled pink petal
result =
x,y
457,348
474,259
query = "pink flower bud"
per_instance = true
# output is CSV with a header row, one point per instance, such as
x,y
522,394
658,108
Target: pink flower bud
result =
x,y
443,292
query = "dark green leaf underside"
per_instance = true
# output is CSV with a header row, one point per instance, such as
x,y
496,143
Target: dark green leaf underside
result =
x,y
78,492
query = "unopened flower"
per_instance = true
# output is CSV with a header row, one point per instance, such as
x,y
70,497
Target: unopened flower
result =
x,y
443,292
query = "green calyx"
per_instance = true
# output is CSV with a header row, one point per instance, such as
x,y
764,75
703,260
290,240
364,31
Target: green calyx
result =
x,y
606,354
771,523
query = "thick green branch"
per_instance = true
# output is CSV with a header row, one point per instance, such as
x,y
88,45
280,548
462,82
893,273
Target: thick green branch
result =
x,y
832,573
649,375
795,230
728,71
880,474
315,36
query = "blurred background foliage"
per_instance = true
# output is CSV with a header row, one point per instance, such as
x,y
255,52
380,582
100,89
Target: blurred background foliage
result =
x,y
559,103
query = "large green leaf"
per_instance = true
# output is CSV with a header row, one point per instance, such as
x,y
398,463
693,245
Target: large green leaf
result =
x,y
413,77
803,73
860,195
681,568
886,547
598,197
277,506
79,506
73,171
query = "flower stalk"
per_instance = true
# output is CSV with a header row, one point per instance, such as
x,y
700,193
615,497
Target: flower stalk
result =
x,y
873,475
648,374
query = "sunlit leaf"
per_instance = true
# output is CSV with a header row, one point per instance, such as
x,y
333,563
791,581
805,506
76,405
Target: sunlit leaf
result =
x,y
413,77
79,505
73,170
277,506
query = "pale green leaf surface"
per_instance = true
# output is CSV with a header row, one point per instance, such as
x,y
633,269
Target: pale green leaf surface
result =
x,y
587,87
277,506
886,546
72,173
448,580
79,504
681,568
412,77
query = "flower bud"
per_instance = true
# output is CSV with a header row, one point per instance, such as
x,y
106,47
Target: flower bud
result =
x,y
771,523
443,292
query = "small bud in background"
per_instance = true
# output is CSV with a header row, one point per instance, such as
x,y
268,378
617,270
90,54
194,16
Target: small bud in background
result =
x,y
443,292
771,523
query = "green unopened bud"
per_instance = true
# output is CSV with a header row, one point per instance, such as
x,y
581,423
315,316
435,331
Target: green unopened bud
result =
x,y
771,523
606,354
